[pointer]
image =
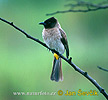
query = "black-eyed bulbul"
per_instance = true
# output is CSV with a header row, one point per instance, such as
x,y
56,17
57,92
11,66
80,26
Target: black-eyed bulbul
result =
x,y
55,38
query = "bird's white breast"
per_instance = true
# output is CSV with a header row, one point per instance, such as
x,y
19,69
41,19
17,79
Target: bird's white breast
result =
x,y
52,38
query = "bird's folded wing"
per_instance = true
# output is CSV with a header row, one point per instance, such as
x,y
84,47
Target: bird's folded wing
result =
x,y
64,41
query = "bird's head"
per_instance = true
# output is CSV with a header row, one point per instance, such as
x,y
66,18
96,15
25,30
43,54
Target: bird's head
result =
x,y
49,23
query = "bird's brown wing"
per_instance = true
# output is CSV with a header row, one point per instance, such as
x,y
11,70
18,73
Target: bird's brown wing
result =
x,y
64,41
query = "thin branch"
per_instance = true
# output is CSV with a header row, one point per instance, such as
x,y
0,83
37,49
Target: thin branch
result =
x,y
85,74
83,7
102,68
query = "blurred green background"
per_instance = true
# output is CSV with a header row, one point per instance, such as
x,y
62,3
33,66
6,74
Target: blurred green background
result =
x,y
25,66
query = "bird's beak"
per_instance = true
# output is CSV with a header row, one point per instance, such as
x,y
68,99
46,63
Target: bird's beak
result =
x,y
42,23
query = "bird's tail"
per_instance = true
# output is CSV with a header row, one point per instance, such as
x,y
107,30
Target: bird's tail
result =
x,y
56,74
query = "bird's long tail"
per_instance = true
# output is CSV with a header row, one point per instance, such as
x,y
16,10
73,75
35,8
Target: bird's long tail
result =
x,y
56,74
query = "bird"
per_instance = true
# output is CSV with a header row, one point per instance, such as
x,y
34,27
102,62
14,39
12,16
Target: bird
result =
x,y
55,38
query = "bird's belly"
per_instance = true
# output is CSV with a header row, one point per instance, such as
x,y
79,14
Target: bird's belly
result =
x,y
55,43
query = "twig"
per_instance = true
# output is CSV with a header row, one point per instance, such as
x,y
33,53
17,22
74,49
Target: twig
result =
x,y
102,68
88,7
85,74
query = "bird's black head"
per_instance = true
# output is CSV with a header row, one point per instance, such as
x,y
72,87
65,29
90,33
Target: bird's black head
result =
x,y
49,23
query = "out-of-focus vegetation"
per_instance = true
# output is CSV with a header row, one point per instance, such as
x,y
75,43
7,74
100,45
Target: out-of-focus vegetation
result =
x,y
25,66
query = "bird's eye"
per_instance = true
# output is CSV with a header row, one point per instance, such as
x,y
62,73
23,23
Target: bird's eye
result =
x,y
49,22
